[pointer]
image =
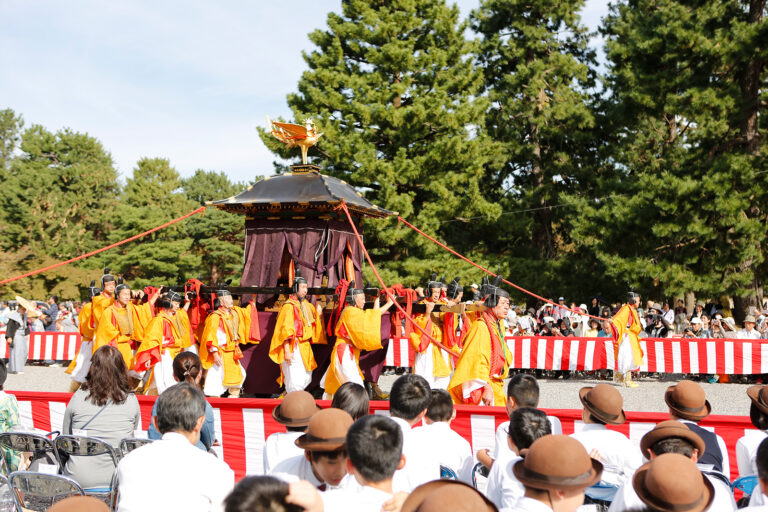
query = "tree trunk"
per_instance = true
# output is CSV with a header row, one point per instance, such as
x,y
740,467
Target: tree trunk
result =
x,y
542,228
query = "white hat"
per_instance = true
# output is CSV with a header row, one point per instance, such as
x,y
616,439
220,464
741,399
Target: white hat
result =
x,y
695,320
474,285
524,323
549,319
583,308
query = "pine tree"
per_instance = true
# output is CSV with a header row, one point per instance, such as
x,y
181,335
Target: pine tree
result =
x,y
150,197
394,88
539,76
681,208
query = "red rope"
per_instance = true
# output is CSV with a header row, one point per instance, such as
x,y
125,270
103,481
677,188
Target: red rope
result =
x,y
83,256
343,206
400,219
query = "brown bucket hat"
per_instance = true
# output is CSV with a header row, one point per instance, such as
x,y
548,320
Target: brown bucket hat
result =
x,y
688,400
672,483
296,409
604,402
667,429
759,397
557,462
327,431
442,495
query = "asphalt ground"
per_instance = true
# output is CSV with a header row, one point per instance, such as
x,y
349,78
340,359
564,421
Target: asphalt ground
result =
x,y
727,399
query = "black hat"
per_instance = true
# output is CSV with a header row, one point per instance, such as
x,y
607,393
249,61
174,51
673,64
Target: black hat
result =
x,y
164,303
223,293
632,297
453,289
433,282
107,277
120,287
175,296
297,279
484,284
92,290
351,292
494,292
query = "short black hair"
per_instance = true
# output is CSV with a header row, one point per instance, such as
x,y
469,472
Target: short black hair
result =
x,y
678,445
352,398
178,408
762,460
440,406
375,445
55,298
526,425
759,418
316,455
409,396
259,494
524,389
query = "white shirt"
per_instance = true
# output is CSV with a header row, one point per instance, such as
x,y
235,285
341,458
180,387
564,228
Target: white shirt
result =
x,y
626,498
172,474
280,446
748,335
357,498
503,488
421,464
527,505
502,434
746,451
298,468
619,456
450,449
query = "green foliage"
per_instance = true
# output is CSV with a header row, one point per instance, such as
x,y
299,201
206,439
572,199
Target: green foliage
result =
x,y
394,88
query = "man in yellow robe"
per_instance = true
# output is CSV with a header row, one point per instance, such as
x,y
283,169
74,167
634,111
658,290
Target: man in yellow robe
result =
x,y
117,326
80,365
182,321
625,327
430,361
105,299
225,329
298,325
163,340
357,329
485,360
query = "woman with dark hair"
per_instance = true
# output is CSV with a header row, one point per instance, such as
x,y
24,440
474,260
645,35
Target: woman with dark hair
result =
x,y
187,368
104,407
352,398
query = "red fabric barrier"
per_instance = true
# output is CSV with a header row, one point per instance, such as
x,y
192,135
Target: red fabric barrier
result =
x,y
243,425
663,355
47,346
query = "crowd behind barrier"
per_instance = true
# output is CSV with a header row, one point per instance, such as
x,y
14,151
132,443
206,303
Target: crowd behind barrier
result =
x,y
243,425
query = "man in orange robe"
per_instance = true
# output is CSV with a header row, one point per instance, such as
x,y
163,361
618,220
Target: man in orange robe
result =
x,y
485,360
163,340
625,327
225,329
105,299
430,361
117,326
357,329
80,365
298,325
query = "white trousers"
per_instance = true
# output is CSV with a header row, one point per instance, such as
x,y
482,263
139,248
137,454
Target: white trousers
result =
x,y
625,361
295,376
424,365
82,361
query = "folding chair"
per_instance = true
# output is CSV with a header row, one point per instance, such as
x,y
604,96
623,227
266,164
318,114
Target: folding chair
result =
x,y
40,446
8,502
479,470
39,491
81,446
129,444
447,473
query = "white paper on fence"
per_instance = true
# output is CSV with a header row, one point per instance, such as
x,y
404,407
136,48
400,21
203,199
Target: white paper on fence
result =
x,y
214,381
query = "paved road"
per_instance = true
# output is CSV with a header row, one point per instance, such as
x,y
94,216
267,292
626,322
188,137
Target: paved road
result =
x,y
729,399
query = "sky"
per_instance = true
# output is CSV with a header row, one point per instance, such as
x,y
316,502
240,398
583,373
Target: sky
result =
x,y
185,80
